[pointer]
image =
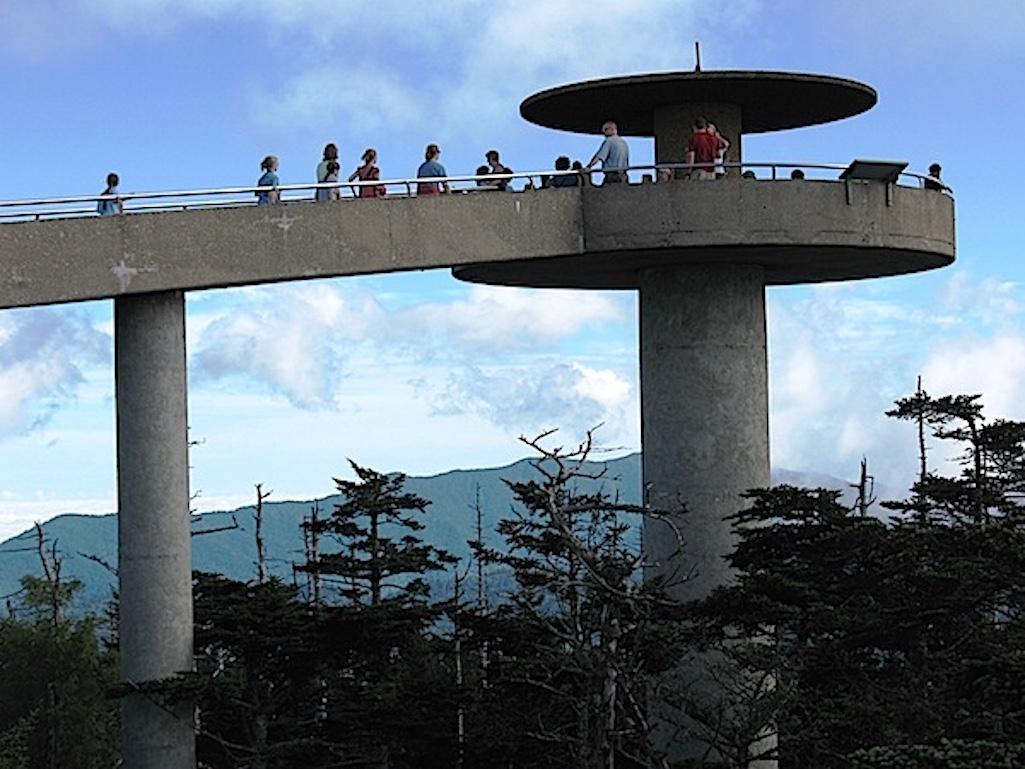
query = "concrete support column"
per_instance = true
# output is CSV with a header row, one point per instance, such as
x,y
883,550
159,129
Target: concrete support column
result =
x,y
704,411
154,547
674,123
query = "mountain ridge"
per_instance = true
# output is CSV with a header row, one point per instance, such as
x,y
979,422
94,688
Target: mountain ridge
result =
x,y
449,522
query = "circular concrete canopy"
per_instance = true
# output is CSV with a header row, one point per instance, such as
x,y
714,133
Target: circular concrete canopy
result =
x,y
769,101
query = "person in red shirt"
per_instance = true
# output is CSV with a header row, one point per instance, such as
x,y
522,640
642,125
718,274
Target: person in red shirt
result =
x,y
703,149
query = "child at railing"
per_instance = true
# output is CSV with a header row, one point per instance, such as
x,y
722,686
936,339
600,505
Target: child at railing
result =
x,y
110,207
325,194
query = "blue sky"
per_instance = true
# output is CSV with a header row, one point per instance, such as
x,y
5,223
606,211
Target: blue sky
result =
x,y
419,372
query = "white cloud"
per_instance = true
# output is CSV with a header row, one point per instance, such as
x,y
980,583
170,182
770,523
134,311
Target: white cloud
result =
x,y
302,341
549,394
841,355
457,63
366,101
994,367
293,339
42,356
495,320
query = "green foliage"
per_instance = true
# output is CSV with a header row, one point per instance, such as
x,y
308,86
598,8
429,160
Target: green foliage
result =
x,y
14,742
379,552
946,754
256,682
53,708
43,597
900,633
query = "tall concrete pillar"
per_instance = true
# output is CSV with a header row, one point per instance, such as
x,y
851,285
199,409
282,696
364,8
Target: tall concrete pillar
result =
x,y
704,412
155,551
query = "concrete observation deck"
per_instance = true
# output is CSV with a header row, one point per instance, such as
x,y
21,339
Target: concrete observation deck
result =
x,y
589,237
699,253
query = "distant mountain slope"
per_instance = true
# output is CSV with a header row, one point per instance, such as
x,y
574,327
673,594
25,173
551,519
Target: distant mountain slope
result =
x,y
450,523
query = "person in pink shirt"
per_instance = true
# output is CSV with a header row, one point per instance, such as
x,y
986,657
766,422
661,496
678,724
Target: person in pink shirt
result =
x,y
369,172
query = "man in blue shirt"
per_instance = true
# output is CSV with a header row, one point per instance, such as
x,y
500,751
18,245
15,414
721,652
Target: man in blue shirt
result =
x,y
431,168
613,153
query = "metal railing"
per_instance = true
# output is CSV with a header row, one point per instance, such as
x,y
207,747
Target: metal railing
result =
x,y
77,206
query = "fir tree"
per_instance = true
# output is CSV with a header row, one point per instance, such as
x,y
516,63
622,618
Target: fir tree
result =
x,y
893,636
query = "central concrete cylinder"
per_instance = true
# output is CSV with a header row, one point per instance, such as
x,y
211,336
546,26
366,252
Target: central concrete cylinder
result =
x,y
704,413
154,547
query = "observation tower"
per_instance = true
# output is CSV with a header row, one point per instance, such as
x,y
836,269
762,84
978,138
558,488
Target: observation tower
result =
x,y
700,253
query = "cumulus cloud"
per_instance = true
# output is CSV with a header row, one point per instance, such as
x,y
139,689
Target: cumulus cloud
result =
x,y
839,356
294,340
300,341
569,396
993,367
496,320
43,353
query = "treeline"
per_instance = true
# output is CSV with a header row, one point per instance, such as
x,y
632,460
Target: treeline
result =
x,y
846,640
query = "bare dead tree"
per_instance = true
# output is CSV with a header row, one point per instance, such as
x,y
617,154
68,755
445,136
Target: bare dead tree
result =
x,y
233,525
99,562
567,550
482,592
866,489
314,555
51,565
920,421
457,635
261,553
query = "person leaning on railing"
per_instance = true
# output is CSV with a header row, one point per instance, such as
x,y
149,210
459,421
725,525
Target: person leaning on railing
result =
x,y
110,207
564,180
613,154
933,181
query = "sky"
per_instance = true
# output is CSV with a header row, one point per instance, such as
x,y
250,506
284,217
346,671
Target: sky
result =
x,y
418,372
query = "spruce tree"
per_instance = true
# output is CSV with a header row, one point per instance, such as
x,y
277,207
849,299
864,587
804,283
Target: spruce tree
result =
x,y
893,636
386,698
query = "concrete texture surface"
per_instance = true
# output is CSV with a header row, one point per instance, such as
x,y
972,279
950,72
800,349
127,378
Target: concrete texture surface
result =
x,y
154,546
704,407
588,237
798,231
75,259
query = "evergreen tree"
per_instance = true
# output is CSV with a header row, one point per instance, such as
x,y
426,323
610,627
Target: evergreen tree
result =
x,y
54,676
379,555
892,636
386,689
256,685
